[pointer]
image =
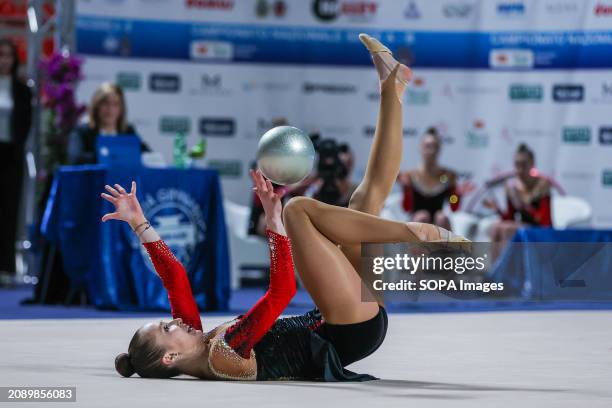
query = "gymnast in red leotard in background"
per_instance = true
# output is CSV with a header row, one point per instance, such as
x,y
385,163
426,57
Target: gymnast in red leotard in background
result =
x,y
528,201
325,242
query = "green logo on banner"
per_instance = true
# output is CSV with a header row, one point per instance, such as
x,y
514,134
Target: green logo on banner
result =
x,y
129,81
174,124
577,135
606,178
226,168
417,97
476,139
530,93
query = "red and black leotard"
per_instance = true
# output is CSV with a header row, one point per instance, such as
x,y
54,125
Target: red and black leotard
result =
x,y
417,197
287,348
536,212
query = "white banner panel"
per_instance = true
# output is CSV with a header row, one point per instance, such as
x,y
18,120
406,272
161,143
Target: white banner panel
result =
x,y
489,74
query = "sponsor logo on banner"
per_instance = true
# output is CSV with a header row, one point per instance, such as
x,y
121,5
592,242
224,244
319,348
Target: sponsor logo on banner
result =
x,y
606,178
169,83
129,81
557,7
578,175
459,10
580,135
178,219
526,93
334,131
262,125
368,131
223,5
511,58
511,9
606,90
418,94
477,137
265,8
329,88
226,167
210,84
211,50
174,124
568,93
111,43
531,133
605,135
603,9
450,90
605,93
225,127
412,11
330,10
256,85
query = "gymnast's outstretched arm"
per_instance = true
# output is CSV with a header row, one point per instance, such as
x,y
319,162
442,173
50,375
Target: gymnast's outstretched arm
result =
x,y
243,335
168,268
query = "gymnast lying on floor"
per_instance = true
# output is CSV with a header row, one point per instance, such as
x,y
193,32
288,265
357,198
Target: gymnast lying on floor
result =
x,y
325,242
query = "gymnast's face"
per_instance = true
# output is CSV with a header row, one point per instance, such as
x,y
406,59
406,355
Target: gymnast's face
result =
x,y
522,165
174,335
430,147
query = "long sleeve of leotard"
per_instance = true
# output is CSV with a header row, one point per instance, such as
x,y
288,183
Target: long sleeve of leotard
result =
x,y
243,335
174,278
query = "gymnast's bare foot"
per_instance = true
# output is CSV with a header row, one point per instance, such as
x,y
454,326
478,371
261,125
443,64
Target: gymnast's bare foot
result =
x,y
387,66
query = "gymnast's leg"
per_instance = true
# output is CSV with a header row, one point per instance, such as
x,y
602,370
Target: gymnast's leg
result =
x,y
316,230
386,152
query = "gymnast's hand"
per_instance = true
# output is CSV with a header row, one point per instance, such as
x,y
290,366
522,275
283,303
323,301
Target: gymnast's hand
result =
x,y
127,207
270,200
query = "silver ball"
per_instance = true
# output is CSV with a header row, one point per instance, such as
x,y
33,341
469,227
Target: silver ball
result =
x,y
285,155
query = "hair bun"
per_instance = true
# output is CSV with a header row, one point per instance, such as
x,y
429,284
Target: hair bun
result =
x,y
123,365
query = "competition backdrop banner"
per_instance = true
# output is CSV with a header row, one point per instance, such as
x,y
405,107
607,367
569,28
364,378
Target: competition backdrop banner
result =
x,y
488,74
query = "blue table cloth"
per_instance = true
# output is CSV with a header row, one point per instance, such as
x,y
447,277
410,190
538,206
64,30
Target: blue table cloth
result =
x,y
107,260
549,264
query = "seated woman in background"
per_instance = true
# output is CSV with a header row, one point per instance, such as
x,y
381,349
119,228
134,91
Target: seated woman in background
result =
x,y
108,117
429,186
527,200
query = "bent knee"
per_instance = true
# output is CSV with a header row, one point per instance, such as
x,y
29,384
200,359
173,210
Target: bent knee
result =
x,y
297,205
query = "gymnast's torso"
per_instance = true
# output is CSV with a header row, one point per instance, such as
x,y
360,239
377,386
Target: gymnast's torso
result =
x,y
283,353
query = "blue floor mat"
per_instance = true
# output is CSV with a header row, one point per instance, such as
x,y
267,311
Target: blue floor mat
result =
x,y
242,300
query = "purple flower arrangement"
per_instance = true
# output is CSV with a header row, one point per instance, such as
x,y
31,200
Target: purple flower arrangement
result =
x,y
60,75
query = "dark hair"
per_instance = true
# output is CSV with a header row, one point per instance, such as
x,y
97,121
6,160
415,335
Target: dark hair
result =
x,y
433,132
524,149
144,358
5,42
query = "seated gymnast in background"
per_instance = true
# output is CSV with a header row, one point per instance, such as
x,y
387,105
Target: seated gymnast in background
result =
x,y
428,187
324,241
527,200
